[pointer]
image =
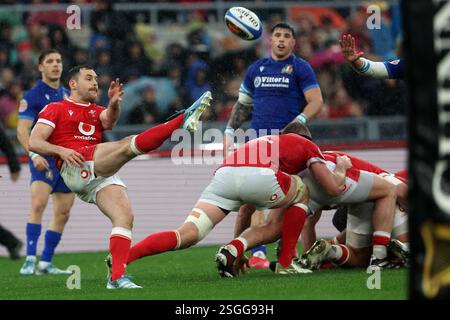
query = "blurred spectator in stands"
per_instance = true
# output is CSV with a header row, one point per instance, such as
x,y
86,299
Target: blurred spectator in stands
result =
x,y
9,100
25,68
135,63
197,37
340,105
6,41
147,35
103,63
145,112
44,43
80,56
34,36
7,238
332,34
304,23
4,57
197,79
303,47
60,41
98,40
6,78
176,105
175,55
115,25
227,100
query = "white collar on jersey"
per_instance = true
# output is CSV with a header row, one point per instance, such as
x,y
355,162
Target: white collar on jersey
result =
x,y
80,104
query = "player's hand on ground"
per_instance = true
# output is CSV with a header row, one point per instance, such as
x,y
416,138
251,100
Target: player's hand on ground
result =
x,y
348,48
71,157
228,145
343,162
240,264
40,163
115,92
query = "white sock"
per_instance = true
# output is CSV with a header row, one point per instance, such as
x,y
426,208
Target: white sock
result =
x,y
31,258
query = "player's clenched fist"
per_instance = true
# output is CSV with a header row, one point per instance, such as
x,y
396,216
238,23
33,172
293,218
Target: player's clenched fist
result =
x,y
343,162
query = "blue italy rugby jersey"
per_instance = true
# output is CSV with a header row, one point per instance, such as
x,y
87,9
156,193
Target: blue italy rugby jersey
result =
x,y
276,88
35,99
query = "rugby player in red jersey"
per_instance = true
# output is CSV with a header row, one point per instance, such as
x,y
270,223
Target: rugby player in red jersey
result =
x,y
71,130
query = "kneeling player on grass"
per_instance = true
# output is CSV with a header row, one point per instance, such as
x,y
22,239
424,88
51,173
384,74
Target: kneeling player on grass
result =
x,y
71,130
258,173
352,247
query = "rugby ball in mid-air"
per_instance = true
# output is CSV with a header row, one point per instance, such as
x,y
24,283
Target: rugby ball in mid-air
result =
x,y
243,23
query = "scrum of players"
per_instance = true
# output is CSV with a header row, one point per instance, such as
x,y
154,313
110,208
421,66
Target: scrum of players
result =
x,y
371,234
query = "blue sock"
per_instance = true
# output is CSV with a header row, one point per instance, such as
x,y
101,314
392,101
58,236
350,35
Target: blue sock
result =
x,y
260,248
51,242
33,233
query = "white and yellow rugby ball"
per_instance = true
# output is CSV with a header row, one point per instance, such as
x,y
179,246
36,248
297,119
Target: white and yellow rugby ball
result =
x,y
243,23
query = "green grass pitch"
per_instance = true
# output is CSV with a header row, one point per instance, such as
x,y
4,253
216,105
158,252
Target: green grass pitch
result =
x,y
191,274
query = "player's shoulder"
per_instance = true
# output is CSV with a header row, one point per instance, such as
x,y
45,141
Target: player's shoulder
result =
x,y
32,93
258,63
300,62
57,105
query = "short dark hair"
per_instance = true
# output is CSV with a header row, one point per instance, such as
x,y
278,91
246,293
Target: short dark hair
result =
x,y
283,25
297,128
75,71
45,53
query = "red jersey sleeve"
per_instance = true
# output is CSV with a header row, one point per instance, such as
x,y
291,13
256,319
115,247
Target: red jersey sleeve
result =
x,y
49,115
314,153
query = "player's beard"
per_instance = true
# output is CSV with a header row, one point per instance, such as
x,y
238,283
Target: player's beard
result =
x,y
90,96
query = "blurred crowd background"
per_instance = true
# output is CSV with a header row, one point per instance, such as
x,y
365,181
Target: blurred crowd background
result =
x,y
168,63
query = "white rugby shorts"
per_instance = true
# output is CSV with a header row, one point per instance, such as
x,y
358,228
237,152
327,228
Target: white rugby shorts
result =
x,y
359,230
232,187
83,182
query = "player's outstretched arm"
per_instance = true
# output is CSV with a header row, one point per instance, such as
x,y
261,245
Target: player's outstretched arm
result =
x,y
38,143
110,116
360,64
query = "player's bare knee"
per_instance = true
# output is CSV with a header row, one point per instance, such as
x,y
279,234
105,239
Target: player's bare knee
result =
x,y
38,207
62,216
187,235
